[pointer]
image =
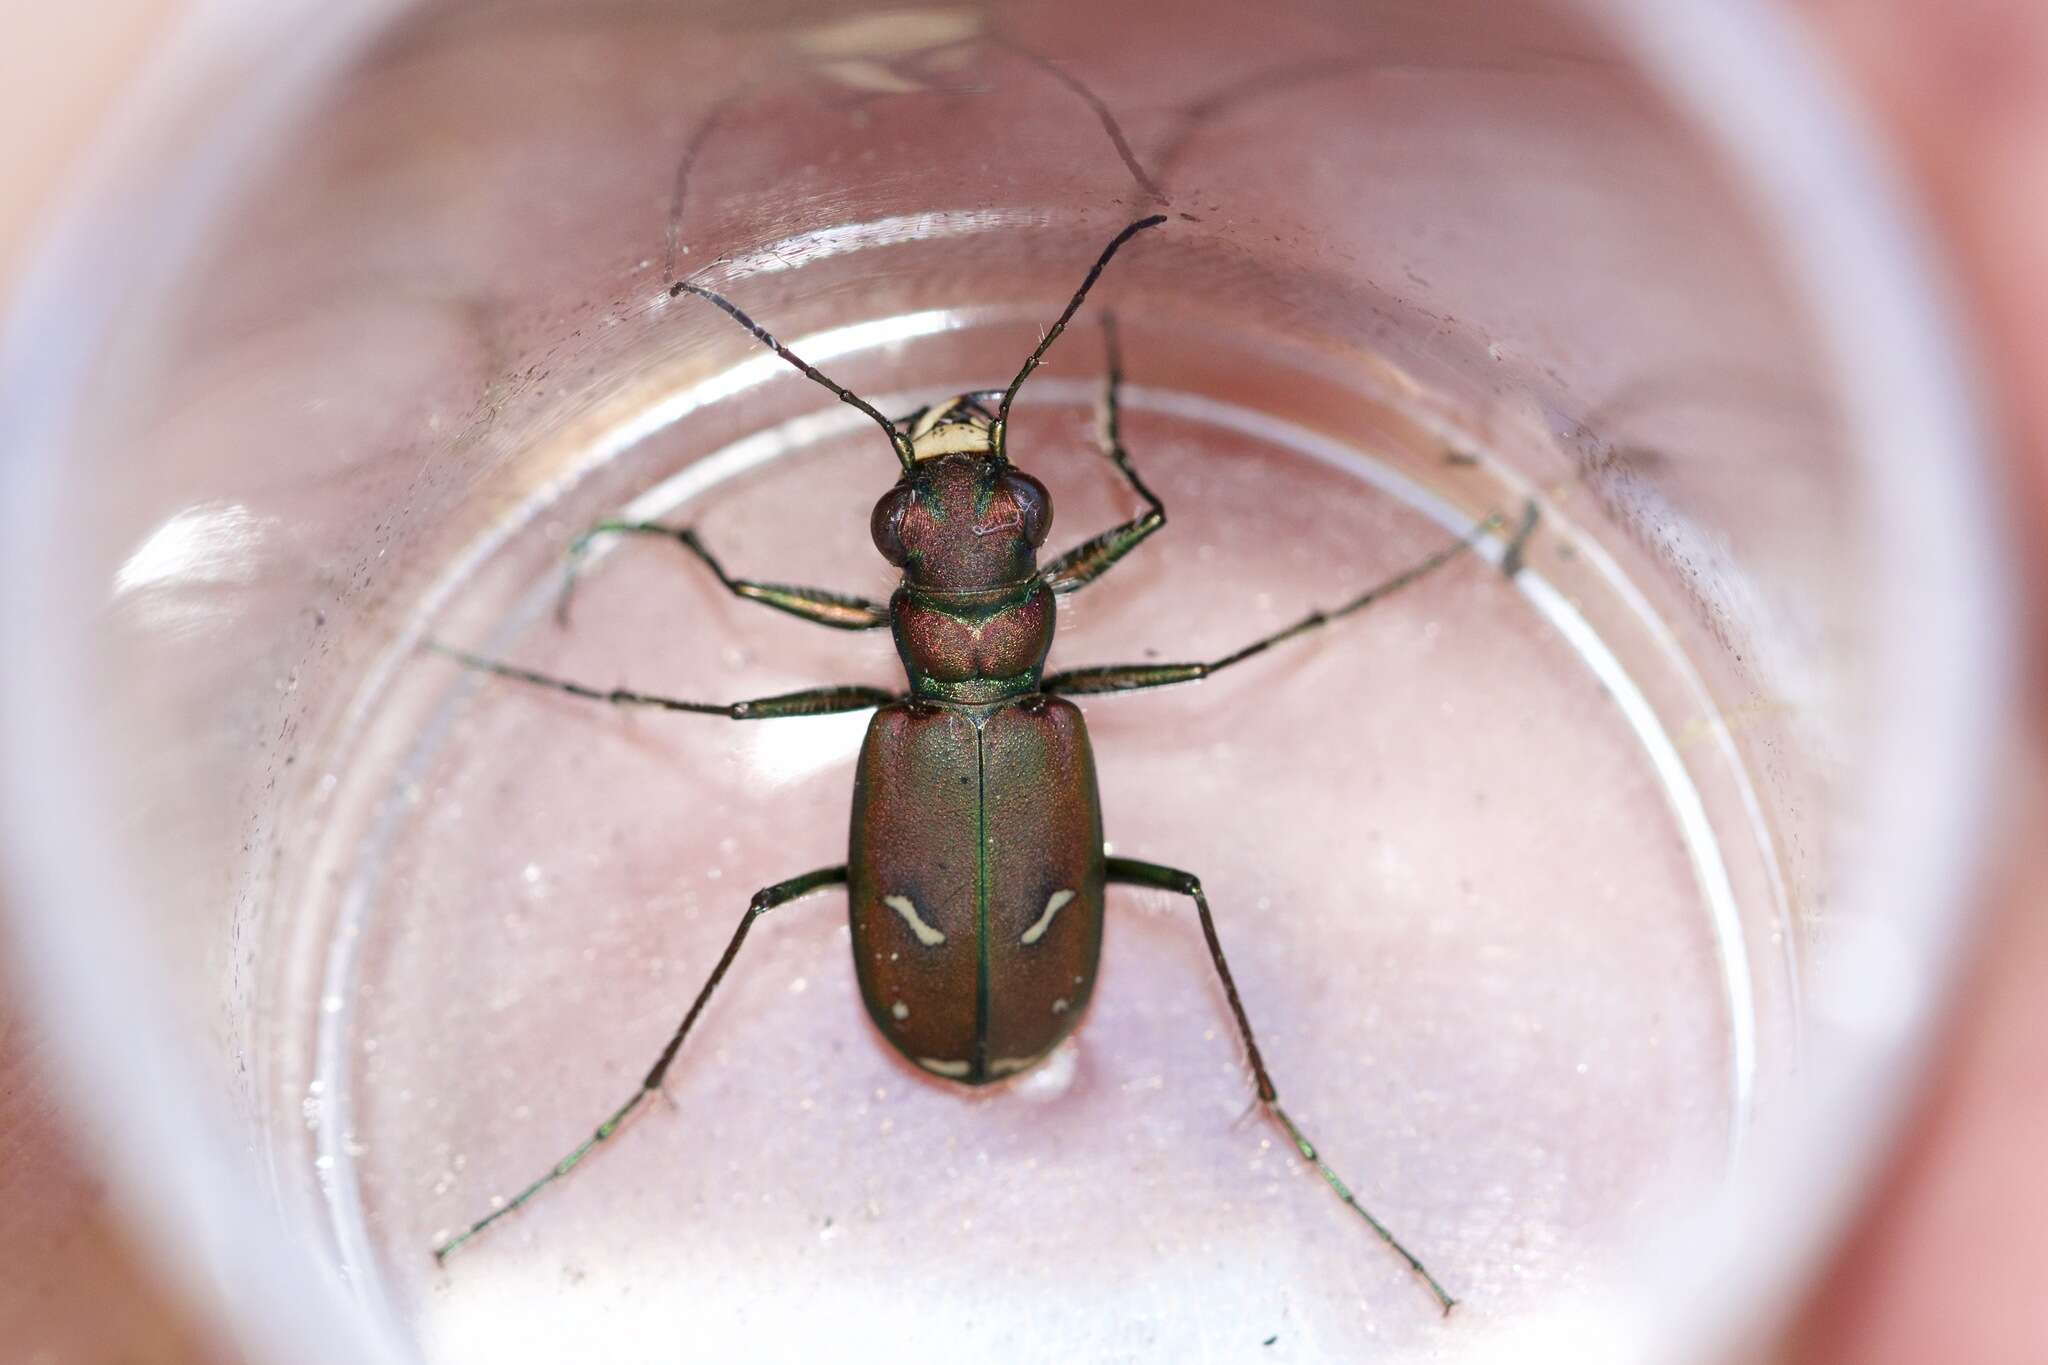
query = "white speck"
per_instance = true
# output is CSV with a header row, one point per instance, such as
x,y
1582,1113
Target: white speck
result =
x,y
330,1004
799,986
1059,1006
900,1010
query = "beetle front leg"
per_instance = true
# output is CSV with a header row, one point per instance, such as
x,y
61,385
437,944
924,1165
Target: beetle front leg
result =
x,y
811,701
766,899
1088,561
841,611
1131,872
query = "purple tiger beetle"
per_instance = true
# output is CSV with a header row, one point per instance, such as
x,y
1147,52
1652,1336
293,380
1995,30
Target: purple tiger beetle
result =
x,y
974,980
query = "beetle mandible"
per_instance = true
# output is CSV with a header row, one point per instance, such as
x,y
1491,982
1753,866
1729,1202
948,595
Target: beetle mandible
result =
x,y
975,954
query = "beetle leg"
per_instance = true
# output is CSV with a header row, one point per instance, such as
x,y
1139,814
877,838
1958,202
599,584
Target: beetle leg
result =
x,y
841,611
1088,561
766,899
811,701
1131,677
1131,872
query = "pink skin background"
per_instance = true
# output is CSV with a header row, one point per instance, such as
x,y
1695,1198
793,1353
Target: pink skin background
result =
x,y
1947,1261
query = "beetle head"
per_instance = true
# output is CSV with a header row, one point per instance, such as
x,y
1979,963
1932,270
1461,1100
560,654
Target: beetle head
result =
x,y
963,521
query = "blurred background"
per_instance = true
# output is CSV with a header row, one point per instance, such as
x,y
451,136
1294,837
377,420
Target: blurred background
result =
x,y
1947,1259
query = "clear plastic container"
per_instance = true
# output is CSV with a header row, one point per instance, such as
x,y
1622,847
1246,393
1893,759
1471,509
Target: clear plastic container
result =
x,y
1587,915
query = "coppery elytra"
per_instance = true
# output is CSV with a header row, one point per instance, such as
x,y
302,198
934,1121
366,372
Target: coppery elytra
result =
x,y
976,984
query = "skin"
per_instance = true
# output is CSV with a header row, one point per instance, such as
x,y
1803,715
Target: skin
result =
x,y
1947,1260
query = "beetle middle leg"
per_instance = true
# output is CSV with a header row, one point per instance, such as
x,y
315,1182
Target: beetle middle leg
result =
x,y
766,899
1131,677
822,606
1132,872
810,701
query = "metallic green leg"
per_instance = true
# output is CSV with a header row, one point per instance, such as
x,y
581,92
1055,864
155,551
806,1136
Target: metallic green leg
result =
x,y
1131,872
1088,561
1132,677
841,611
812,701
764,900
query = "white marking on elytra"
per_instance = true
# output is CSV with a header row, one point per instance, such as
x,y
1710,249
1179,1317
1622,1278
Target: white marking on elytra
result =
x,y
1059,1006
1052,907
943,1068
904,906
900,1010
1004,1066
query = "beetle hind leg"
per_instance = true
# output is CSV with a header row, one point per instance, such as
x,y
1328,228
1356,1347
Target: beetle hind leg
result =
x,y
766,899
1131,872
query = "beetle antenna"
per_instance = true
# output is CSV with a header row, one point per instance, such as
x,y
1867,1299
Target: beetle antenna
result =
x,y
1053,334
897,440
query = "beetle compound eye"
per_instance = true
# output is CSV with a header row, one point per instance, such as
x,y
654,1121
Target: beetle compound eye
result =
x,y
886,525
1034,504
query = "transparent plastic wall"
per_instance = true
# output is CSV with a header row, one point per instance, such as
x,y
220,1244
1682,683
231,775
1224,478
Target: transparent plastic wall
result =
x,y
1582,895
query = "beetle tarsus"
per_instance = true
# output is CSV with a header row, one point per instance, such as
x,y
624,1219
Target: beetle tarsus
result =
x,y
1132,872
762,901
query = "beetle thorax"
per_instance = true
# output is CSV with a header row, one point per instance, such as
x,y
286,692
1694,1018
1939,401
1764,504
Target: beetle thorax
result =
x,y
972,621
